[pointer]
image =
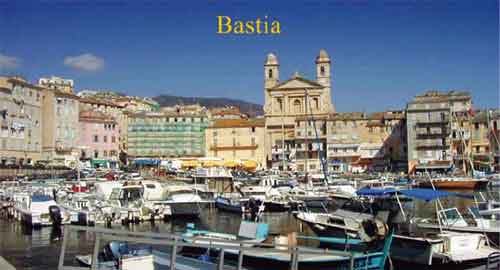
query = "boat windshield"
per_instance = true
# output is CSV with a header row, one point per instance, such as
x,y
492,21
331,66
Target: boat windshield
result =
x,y
131,194
452,217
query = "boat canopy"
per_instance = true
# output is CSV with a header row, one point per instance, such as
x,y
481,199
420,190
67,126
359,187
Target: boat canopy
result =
x,y
424,194
41,198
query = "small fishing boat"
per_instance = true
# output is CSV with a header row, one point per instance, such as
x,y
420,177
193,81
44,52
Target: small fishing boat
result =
x,y
234,204
310,198
452,220
409,244
249,234
120,255
314,258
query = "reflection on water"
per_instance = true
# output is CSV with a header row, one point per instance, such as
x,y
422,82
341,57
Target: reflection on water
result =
x,y
40,249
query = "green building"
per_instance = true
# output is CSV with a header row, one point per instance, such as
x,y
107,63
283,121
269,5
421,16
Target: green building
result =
x,y
166,134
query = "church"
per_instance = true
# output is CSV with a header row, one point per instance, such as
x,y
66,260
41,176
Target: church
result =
x,y
289,105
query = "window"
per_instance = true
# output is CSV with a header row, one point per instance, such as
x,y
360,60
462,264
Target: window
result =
x,y
322,70
297,106
113,139
96,138
96,154
253,141
105,139
316,103
105,153
280,104
253,129
476,125
270,73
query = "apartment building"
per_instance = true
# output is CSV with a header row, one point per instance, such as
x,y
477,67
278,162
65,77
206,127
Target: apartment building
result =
x,y
57,83
438,125
99,134
60,136
357,142
241,139
172,132
21,121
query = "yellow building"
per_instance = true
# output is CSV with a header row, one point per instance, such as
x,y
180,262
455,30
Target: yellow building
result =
x,y
21,121
480,142
60,136
237,139
57,83
359,142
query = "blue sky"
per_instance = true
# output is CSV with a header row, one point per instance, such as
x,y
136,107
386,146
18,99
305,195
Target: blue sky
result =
x,y
383,52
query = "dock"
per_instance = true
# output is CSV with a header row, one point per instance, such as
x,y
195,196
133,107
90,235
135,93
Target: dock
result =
x,y
5,265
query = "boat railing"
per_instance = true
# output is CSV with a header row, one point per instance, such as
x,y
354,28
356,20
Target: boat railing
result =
x,y
175,242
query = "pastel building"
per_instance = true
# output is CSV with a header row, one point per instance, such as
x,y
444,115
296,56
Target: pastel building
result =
x,y
99,134
60,112
20,121
177,131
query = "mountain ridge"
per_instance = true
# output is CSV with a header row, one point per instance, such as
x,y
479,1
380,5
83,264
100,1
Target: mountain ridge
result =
x,y
252,109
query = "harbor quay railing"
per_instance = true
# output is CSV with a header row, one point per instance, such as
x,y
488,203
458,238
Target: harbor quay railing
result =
x,y
176,242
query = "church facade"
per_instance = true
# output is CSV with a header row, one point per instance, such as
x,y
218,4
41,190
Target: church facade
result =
x,y
291,102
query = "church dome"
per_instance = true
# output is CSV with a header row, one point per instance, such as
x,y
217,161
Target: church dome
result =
x,y
272,59
323,56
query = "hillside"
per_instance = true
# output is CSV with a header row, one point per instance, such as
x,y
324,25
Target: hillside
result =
x,y
249,108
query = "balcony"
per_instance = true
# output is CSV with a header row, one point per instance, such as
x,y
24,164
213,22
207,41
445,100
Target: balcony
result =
x,y
433,121
423,145
234,147
343,154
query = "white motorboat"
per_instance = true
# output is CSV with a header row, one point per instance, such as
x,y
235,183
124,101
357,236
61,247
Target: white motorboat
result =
x,y
38,210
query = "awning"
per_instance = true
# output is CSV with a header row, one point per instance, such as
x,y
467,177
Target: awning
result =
x,y
189,163
212,163
424,194
231,163
99,162
430,194
250,164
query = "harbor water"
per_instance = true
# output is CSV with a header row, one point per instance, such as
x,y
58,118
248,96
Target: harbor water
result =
x,y
39,249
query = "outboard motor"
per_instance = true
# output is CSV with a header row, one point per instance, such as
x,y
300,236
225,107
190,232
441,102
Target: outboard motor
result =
x,y
372,230
55,215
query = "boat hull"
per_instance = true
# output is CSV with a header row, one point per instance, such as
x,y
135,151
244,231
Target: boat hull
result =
x,y
228,207
276,207
455,184
185,209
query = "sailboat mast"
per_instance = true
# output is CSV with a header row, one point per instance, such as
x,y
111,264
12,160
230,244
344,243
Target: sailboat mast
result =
x,y
283,136
306,141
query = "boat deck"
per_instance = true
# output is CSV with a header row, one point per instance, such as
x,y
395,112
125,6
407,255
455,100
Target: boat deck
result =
x,y
5,265
285,256
470,255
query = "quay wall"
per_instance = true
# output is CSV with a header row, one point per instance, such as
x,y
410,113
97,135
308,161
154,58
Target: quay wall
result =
x,y
12,174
